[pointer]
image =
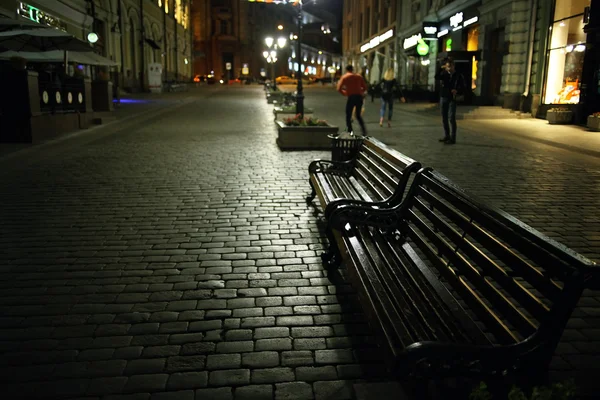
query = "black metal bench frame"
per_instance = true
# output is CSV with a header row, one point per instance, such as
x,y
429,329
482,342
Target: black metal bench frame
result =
x,y
377,176
429,273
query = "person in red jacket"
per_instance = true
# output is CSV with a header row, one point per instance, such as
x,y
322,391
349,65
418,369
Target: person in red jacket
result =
x,y
354,87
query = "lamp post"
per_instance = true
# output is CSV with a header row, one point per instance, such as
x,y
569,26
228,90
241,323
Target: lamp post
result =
x,y
299,93
271,54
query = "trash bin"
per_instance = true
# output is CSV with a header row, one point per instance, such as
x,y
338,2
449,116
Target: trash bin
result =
x,y
345,146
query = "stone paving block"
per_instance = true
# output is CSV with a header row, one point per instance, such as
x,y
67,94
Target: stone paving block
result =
x,y
223,361
185,363
256,322
297,358
296,320
148,366
254,392
187,380
235,347
338,356
179,395
198,348
332,390
161,351
310,344
272,375
225,393
273,344
146,383
293,391
260,359
231,377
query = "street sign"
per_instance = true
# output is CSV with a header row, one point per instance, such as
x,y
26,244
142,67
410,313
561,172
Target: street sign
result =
x,y
228,66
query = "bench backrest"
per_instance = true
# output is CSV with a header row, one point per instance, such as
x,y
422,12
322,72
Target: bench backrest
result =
x,y
515,281
382,171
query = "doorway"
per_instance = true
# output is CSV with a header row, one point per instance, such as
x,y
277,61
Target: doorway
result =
x,y
496,57
228,59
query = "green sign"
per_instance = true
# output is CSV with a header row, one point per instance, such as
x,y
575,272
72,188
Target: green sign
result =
x,y
449,45
422,48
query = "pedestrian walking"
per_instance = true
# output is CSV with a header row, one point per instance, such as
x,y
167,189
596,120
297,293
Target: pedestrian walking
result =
x,y
387,86
452,85
354,87
362,73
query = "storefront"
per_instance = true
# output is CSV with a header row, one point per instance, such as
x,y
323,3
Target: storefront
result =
x,y
458,38
567,56
418,62
377,54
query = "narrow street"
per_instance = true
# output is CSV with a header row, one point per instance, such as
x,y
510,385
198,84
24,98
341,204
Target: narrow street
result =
x,y
171,255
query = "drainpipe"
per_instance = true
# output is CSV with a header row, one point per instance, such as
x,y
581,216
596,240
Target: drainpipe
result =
x,y
142,42
165,48
533,4
176,45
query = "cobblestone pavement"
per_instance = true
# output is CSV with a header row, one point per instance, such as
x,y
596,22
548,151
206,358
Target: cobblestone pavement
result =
x,y
173,256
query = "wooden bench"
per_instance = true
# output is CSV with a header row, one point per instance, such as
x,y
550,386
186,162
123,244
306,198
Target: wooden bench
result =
x,y
378,174
456,287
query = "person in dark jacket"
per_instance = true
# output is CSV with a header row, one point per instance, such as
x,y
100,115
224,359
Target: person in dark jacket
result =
x,y
387,86
452,84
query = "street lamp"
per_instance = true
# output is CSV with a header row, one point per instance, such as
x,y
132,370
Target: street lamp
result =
x,y
271,55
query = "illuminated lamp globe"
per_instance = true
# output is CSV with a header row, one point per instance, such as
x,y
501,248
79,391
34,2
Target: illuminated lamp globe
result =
x,y
92,37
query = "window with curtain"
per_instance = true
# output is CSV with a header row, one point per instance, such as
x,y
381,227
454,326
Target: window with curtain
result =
x,y
566,51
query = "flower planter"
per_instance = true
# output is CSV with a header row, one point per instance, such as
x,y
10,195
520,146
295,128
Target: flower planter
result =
x,y
559,117
282,114
593,123
304,137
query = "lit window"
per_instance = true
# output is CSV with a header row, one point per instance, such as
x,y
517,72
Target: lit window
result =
x,y
160,3
166,6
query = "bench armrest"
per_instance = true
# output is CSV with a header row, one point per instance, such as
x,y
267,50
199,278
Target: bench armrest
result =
x,y
367,214
331,166
340,201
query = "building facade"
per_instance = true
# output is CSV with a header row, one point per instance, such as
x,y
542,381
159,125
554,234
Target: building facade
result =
x,y
369,37
133,33
229,39
527,55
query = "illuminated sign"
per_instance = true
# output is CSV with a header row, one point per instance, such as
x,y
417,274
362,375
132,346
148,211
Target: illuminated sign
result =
x,y
470,21
377,40
456,19
430,30
35,14
422,48
411,41
442,33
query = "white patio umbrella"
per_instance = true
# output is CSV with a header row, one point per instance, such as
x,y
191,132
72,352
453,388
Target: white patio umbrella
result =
x,y
7,24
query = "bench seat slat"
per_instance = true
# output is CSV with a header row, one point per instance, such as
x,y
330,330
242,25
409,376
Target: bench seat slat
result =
x,y
362,193
438,324
378,170
525,325
394,166
373,179
524,296
396,333
536,277
492,321
528,249
397,294
359,174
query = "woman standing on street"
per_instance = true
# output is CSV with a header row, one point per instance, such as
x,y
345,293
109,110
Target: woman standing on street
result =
x,y
387,85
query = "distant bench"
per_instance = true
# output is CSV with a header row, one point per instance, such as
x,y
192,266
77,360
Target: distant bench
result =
x,y
454,287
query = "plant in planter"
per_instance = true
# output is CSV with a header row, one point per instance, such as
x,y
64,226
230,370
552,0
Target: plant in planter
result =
x,y
593,122
304,133
559,115
297,120
557,391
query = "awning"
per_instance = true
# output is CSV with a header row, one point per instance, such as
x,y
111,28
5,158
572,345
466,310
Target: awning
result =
x,y
152,44
86,58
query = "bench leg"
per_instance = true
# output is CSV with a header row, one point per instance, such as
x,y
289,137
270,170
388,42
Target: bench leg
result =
x,y
312,194
332,258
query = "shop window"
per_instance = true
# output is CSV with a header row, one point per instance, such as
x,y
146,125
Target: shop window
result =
x,y
565,53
